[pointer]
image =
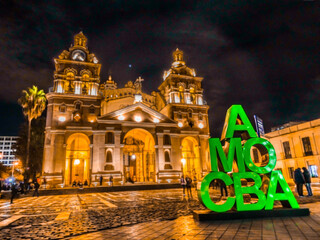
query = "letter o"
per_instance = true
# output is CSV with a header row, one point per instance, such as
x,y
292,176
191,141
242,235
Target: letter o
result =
x,y
247,156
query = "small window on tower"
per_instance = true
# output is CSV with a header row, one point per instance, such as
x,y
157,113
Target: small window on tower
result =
x,y
92,110
190,113
70,76
78,106
200,117
62,108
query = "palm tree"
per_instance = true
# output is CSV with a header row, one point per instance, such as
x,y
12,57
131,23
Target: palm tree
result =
x,y
33,102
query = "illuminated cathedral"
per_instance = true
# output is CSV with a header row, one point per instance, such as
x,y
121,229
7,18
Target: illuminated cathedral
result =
x,y
94,128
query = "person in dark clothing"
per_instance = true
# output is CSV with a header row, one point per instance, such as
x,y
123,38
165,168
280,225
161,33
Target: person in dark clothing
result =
x,y
111,180
14,191
307,178
183,184
101,180
223,186
299,181
74,183
36,188
22,187
85,183
189,184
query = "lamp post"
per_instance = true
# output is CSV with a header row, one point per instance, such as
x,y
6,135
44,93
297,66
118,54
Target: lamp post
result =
x,y
76,163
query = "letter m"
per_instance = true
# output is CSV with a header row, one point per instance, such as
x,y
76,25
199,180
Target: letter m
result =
x,y
220,161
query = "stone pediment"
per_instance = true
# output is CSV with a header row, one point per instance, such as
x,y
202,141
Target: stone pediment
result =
x,y
136,113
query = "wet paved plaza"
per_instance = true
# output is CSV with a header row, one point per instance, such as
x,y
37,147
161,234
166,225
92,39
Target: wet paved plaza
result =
x,y
156,214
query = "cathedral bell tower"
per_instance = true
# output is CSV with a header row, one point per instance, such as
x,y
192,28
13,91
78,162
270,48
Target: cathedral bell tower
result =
x,y
77,71
183,95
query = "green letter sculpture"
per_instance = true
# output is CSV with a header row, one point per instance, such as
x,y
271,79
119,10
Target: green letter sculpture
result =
x,y
237,120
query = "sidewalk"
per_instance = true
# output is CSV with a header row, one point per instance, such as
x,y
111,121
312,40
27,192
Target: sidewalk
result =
x,y
187,228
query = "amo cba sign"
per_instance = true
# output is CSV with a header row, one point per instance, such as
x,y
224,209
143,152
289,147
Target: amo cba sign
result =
x,y
237,123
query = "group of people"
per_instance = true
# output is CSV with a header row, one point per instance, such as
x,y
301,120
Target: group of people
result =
x,y
80,184
302,178
186,183
24,188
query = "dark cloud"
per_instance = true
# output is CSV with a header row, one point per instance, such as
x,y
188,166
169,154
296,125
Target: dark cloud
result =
x,y
261,54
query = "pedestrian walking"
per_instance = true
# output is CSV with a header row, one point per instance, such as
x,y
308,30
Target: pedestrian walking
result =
x,y
74,183
111,180
14,191
21,187
85,183
183,184
189,184
101,180
299,181
307,178
36,188
222,186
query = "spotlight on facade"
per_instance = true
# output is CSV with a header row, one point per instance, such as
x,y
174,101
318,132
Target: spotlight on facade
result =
x,y
121,117
62,119
156,120
76,162
201,125
138,118
183,161
180,124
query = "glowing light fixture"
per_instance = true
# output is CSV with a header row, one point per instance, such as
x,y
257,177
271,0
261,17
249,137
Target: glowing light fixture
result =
x,y
121,117
133,156
62,118
138,118
76,162
180,124
183,161
156,120
201,125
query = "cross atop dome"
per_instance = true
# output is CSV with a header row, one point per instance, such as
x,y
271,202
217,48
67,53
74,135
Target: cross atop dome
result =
x,y
80,40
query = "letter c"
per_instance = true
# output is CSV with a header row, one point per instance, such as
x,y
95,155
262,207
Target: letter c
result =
x,y
204,195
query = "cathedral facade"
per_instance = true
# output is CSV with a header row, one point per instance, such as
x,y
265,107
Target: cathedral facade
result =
x,y
94,128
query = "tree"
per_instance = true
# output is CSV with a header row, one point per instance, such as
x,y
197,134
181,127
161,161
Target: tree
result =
x,y
36,146
33,103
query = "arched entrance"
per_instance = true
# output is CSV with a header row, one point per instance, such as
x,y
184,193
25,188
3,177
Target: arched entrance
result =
x,y
77,158
139,156
190,159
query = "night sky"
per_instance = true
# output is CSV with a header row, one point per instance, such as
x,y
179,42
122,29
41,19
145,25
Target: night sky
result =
x,y
264,56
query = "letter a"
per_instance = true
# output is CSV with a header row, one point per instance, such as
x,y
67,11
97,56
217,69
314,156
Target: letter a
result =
x,y
230,123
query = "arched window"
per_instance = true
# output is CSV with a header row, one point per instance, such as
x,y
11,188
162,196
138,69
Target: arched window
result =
x,y
200,117
166,156
166,140
109,157
62,108
78,106
70,76
179,115
85,77
189,113
110,138
92,110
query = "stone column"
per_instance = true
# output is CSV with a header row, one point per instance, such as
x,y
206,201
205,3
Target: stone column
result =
x,y
160,152
204,151
98,151
117,159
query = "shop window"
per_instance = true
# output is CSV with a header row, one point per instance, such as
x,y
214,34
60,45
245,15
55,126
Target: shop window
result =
x,y
291,172
313,169
166,140
307,146
166,156
110,138
167,166
287,151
